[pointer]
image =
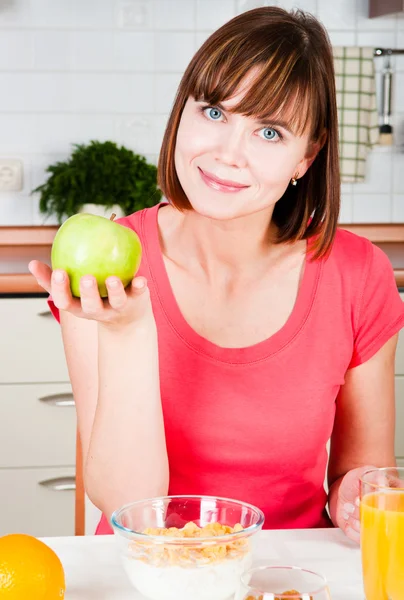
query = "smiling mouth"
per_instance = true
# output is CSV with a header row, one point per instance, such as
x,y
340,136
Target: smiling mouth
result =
x,y
221,185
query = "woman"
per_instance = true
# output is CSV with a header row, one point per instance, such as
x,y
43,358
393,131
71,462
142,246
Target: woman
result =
x,y
255,330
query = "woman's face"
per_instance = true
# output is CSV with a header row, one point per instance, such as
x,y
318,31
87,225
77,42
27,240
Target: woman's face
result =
x,y
230,165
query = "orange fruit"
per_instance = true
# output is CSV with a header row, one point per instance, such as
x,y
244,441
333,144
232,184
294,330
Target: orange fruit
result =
x,y
29,570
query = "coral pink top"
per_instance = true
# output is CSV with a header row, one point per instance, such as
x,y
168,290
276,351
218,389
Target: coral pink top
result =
x,y
253,423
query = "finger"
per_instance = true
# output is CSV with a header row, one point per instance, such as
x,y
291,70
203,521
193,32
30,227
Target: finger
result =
x,y
355,524
61,293
42,274
348,519
349,490
397,483
352,534
138,286
117,296
91,303
350,510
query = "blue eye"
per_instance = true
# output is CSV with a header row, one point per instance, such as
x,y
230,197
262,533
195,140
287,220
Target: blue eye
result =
x,y
212,113
268,133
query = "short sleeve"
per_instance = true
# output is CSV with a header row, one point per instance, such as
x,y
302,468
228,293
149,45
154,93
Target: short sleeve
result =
x,y
380,310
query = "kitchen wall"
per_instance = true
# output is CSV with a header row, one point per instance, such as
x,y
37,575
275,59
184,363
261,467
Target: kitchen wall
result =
x,y
75,70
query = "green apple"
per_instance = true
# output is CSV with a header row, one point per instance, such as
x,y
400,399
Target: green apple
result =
x,y
91,245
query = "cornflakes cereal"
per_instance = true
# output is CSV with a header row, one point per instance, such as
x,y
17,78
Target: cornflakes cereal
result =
x,y
176,554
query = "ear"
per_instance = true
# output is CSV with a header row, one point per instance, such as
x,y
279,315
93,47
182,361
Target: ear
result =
x,y
313,149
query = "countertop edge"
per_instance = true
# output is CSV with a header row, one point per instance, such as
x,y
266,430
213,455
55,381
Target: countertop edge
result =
x,y
29,237
39,235
25,283
19,283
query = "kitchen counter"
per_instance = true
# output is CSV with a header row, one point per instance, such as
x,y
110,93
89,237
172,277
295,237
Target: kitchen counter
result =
x,y
19,245
94,572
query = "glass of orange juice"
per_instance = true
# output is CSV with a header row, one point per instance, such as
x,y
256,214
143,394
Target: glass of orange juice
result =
x,y
382,533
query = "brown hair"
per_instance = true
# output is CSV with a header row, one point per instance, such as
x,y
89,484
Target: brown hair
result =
x,y
294,57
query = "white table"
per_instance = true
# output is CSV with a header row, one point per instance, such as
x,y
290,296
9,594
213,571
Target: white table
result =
x,y
94,572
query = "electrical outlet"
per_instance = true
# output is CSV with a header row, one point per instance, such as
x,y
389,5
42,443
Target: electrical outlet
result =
x,y
135,14
10,175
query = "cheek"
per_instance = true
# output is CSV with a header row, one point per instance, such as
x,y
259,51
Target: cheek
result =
x,y
271,166
276,164
192,140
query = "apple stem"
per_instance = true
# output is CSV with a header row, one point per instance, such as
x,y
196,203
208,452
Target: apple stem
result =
x,y
112,217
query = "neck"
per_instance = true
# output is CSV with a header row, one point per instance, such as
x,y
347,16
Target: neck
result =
x,y
236,247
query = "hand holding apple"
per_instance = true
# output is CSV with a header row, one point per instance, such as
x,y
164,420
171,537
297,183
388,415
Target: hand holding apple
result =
x,y
91,245
123,305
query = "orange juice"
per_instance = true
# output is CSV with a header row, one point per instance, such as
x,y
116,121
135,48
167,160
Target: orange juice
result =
x,y
382,544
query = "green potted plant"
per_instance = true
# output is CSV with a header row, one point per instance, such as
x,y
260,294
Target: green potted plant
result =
x,y
100,178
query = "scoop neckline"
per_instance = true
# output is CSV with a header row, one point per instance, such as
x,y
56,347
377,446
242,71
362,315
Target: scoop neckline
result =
x,y
249,354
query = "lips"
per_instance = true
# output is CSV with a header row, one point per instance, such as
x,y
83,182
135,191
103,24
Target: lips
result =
x,y
221,184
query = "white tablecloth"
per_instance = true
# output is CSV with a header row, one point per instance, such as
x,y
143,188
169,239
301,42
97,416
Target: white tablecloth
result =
x,y
94,572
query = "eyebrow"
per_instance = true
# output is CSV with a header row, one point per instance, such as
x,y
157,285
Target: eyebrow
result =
x,y
276,123
264,120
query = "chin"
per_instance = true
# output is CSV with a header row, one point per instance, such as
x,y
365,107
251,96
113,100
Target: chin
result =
x,y
222,209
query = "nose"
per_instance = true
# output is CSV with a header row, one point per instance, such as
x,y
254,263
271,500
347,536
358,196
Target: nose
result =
x,y
231,148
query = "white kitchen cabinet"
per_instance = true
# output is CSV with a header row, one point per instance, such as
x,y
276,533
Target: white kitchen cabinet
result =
x,y
399,386
31,349
37,423
400,354
38,501
399,448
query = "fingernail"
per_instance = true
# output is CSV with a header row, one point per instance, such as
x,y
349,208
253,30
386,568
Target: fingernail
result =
x,y
357,501
112,283
58,276
139,284
345,516
349,508
87,283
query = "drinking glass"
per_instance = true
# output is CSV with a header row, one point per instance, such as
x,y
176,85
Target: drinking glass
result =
x,y
282,583
382,533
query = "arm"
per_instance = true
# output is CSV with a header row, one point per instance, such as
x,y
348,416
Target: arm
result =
x,y
115,381
127,457
364,423
112,357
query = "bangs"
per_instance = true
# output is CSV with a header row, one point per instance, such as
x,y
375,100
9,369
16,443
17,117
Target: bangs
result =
x,y
282,86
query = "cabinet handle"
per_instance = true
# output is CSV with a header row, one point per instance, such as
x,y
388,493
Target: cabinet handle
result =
x,y
58,399
45,313
60,484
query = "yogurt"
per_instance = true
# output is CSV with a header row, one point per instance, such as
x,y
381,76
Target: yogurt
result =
x,y
213,581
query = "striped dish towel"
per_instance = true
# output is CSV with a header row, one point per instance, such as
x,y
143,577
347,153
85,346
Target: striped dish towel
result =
x,y
357,109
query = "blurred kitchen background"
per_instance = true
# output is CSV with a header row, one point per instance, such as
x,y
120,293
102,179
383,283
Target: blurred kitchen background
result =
x,y
76,70
73,71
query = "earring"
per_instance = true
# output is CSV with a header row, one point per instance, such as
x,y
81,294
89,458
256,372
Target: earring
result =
x,y
293,181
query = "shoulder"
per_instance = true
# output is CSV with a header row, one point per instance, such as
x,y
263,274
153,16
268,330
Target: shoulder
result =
x,y
357,257
356,268
351,247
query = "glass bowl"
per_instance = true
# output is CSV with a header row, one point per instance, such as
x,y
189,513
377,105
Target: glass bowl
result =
x,y
186,547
